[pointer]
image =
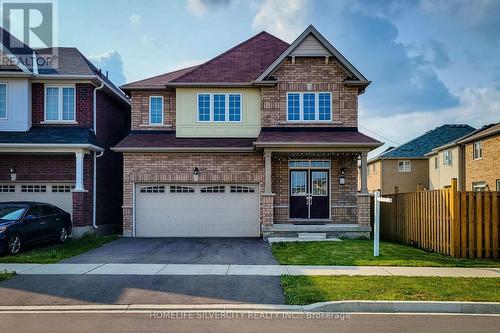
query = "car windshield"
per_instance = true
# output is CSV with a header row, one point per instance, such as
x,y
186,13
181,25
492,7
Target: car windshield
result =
x,y
11,213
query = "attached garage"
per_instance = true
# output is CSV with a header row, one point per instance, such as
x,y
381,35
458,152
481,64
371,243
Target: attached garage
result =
x,y
187,210
56,194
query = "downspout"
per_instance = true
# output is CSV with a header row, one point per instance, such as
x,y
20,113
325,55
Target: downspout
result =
x,y
94,189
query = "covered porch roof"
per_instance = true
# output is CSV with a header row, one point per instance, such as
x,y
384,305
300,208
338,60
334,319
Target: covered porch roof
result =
x,y
49,139
314,137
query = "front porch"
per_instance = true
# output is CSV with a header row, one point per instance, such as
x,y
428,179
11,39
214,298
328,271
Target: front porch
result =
x,y
315,191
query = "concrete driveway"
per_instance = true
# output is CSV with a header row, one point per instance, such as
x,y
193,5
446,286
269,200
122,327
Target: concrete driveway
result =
x,y
238,251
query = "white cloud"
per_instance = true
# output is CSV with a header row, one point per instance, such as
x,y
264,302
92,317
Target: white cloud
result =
x,y
135,19
285,19
148,40
477,107
110,61
201,7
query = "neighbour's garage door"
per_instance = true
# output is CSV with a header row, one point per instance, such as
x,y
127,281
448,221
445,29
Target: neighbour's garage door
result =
x,y
184,210
57,194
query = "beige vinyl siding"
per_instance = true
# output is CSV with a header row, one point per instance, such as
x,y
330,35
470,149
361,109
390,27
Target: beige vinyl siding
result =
x,y
187,114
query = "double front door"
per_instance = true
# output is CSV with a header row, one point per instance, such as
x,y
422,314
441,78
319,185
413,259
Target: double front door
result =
x,y
309,194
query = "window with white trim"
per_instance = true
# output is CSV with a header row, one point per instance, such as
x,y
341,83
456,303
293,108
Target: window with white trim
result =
x,y
242,189
213,189
60,103
181,189
33,188
7,188
479,186
153,189
404,166
478,150
309,106
447,157
156,110
3,100
219,107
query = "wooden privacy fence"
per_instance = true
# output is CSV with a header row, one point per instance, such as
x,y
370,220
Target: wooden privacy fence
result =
x,y
458,223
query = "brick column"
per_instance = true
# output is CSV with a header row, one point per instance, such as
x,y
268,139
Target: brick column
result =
x,y
127,221
267,208
364,212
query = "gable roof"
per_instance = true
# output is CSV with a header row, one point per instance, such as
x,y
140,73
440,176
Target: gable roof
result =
x,y
242,63
420,146
158,81
483,132
311,30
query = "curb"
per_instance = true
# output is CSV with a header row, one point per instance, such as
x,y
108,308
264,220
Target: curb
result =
x,y
489,308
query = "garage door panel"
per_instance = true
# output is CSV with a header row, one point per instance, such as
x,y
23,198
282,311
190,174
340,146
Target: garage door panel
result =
x,y
197,214
56,194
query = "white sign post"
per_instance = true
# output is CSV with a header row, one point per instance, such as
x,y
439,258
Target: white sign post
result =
x,y
376,222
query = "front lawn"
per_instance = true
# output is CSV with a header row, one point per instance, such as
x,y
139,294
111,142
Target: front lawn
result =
x,y
6,275
53,253
300,290
358,252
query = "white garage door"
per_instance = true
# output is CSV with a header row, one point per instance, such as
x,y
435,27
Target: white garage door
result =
x,y
56,194
215,210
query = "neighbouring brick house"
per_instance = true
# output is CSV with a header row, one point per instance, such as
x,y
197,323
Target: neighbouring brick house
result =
x,y
407,166
57,125
482,159
259,140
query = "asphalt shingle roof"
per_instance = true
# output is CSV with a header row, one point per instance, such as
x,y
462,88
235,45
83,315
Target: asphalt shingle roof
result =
x,y
423,144
51,135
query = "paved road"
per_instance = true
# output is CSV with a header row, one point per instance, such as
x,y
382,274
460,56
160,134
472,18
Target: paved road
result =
x,y
128,289
238,322
246,251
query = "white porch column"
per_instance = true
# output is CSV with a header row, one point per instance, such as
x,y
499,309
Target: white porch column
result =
x,y
79,172
364,172
267,169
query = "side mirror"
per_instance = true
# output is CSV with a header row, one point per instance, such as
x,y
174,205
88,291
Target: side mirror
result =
x,y
29,218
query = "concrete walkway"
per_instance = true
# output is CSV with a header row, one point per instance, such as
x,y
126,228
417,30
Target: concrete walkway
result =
x,y
242,270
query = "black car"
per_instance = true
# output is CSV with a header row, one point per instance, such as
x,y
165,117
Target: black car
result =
x,y
23,223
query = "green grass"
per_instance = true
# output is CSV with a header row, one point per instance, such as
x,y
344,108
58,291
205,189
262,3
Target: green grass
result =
x,y
6,275
358,252
300,290
53,253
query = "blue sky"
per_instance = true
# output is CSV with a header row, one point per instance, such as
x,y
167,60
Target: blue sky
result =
x,y
431,62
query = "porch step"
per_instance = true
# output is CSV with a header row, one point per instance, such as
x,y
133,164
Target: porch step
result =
x,y
350,230
272,240
312,235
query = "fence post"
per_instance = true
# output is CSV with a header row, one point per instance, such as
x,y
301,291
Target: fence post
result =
x,y
395,236
454,216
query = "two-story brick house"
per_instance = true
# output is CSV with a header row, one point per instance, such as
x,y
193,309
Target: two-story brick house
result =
x,y
57,124
259,140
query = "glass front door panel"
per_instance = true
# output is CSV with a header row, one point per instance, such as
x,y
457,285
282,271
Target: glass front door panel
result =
x,y
298,183
319,183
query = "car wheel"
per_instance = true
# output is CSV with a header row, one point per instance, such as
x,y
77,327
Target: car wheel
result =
x,y
14,244
63,235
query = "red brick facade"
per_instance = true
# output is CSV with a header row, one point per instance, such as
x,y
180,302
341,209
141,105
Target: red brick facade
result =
x,y
84,104
322,78
140,107
178,168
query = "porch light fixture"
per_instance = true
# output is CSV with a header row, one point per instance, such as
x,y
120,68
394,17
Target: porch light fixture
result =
x,y
342,176
13,174
196,173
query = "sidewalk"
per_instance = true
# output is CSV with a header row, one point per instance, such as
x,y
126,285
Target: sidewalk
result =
x,y
243,270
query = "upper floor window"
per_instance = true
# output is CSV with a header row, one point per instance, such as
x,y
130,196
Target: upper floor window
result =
x,y
374,167
60,103
156,110
309,106
404,166
219,107
3,100
478,150
436,163
447,157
